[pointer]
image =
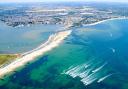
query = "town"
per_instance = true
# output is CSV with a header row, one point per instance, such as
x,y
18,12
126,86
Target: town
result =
x,y
63,14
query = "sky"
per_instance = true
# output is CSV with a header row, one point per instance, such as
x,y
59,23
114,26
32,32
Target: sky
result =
x,y
60,0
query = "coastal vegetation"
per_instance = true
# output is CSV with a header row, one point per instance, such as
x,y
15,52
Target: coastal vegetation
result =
x,y
5,58
63,46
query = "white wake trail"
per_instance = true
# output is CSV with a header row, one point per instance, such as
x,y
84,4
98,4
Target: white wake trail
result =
x,y
103,78
99,68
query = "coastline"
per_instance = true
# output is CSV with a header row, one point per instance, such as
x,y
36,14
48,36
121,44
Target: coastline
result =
x,y
53,41
92,24
5,59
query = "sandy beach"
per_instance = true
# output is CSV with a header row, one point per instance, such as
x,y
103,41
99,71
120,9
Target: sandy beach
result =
x,y
53,41
105,20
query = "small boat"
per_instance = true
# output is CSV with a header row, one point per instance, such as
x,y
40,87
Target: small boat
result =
x,y
103,78
99,68
113,50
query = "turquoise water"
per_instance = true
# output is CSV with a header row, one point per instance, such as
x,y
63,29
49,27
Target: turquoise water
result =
x,y
92,57
22,39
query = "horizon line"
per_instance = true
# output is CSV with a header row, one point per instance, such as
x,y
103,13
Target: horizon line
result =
x,y
64,2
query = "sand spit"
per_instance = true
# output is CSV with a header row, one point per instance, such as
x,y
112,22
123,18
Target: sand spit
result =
x,y
53,41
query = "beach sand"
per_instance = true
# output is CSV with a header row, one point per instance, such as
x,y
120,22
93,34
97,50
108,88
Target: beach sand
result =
x,y
52,42
105,20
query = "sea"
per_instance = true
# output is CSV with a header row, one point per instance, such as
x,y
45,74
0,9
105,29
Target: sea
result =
x,y
91,57
21,39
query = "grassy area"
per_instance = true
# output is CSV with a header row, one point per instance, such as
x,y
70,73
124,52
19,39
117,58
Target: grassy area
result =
x,y
5,58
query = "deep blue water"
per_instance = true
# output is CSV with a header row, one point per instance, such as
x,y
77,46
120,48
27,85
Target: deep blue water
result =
x,y
103,46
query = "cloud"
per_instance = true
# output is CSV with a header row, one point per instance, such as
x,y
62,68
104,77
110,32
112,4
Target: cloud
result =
x,y
60,0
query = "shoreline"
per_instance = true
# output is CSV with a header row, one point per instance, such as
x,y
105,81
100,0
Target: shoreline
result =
x,y
51,43
5,59
92,24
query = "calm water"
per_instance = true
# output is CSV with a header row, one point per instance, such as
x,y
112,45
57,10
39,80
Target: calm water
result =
x,y
92,57
22,39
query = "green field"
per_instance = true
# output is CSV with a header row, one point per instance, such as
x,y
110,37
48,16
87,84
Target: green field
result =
x,y
5,58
